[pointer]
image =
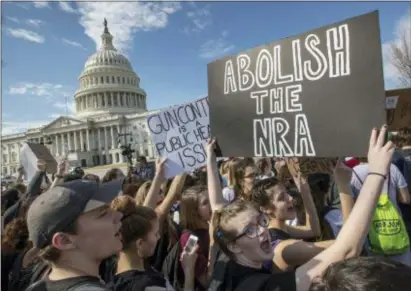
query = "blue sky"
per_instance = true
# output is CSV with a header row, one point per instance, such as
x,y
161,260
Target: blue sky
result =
x,y
45,45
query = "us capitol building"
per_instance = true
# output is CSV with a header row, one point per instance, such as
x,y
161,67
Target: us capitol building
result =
x,y
108,102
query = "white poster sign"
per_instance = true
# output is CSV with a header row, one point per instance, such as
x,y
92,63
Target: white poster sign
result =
x,y
180,133
29,162
391,102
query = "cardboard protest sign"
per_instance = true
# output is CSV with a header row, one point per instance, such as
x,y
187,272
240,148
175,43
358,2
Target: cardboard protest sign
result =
x,y
30,153
317,94
308,166
180,133
398,106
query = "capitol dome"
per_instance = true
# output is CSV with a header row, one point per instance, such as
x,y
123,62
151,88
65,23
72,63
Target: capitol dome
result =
x,y
108,84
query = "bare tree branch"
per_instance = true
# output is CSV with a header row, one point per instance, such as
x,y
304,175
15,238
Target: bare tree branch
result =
x,y
401,56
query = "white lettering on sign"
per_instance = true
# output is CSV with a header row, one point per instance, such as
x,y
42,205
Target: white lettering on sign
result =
x,y
277,92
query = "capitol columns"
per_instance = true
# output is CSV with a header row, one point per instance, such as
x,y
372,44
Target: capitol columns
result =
x,y
88,139
81,140
57,145
75,141
68,141
105,138
63,148
99,138
113,146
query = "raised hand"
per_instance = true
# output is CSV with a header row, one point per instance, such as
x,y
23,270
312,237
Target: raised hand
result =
x,y
210,147
160,163
379,152
20,170
188,259
62,167
41,165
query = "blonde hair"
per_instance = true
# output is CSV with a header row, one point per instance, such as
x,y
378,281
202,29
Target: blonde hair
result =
x,y
142,192
223,234
236,171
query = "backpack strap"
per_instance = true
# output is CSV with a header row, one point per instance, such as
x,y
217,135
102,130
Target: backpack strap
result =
x,y
37,286
361,182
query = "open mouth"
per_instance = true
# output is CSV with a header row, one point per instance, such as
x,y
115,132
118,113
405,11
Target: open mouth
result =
x,y
266,246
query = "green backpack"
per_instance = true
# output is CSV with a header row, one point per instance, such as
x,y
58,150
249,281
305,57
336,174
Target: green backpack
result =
x,y
387,234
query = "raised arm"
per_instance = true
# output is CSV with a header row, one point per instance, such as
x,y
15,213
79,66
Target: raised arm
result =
x,y
173,193
312,225
34,187
215,192
353,233
152,195
61,170
20,172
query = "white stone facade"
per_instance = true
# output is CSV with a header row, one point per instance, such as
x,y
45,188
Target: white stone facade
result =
x,y
109,101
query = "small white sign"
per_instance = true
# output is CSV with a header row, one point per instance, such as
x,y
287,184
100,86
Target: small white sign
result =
x,y
391,102
180,133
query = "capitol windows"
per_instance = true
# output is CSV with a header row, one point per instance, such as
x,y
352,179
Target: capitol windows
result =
x,y
113,79
102,80
14,157
109,101
128,81
5,157
107,79
118,80
103,101
124,80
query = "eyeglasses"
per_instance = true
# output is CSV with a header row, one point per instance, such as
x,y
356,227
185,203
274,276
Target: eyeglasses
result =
x,y
254,230
251,175
264,184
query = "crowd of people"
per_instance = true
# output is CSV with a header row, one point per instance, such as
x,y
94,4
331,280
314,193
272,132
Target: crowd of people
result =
x,y
255,226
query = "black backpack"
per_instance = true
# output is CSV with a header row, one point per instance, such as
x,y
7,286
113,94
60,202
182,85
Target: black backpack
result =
x,y
221,280
172,269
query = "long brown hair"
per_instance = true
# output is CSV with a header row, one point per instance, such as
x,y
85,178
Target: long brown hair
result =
x,y
136,222
190,201
15,237
236,173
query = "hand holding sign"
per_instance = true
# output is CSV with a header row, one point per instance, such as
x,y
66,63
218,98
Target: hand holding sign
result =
x,y
20,170
41,165
210,149
62,167
160,167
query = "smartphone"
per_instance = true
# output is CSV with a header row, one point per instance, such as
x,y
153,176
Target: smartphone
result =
x,y
191,243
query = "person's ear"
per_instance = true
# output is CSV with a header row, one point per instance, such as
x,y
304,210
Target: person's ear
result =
x,y
139,245
63,241
266,211
232,247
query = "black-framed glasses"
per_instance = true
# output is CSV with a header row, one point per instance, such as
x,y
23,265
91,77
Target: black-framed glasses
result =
x,y
264,184
251,175
254,230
